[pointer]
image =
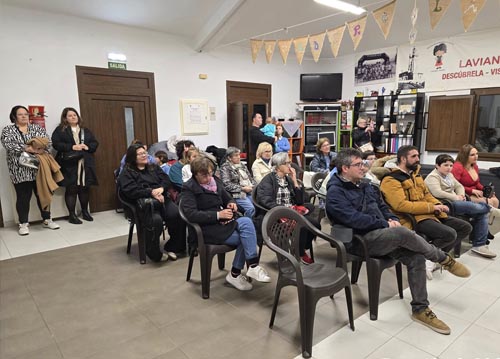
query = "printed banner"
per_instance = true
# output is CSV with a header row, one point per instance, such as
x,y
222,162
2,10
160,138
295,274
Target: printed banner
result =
x,y
335,37
437,8
300,44
316,45
384,16
376,67
284,47
255,45
470,9
269,49
450,64
356,30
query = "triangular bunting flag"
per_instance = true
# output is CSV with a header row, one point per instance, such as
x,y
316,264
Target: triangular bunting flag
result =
x,y
256,45
356,30
300,44
470,9
437,8
316,45
269,48
335,38
384,16
284,47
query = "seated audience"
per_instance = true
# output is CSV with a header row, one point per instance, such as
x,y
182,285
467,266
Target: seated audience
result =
x,y
206,202
323,156
466,171
444,186
363,133
151,159
262,165
139,179
191,154
175,172
405,192
238,181
282,144
161,158
368,160
353,203
281,188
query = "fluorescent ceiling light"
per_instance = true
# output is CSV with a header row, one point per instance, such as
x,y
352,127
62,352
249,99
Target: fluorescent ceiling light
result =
x,y
342,5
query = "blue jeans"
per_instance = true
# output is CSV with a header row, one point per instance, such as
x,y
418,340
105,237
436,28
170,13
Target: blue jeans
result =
x,y
247,205
479,219
245,240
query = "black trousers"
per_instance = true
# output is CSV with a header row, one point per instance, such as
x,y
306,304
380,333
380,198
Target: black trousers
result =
x,y
176,228
23,198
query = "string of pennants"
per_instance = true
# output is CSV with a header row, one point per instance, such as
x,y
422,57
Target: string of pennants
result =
x,y
383,17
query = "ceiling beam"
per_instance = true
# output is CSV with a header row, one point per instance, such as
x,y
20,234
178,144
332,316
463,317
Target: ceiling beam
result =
x,y
216,22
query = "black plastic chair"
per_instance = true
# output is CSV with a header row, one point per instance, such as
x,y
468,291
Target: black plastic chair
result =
x,y
281,229
316,182
206,253
131,214
374,266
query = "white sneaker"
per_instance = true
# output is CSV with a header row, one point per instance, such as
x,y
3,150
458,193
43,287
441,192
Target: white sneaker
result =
x,y
429,268
49,223
24,229
172,256
164,257
484,251
259,274
240,282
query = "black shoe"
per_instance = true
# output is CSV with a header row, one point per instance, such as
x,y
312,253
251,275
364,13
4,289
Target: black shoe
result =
x,y
74,219
490,236
86,216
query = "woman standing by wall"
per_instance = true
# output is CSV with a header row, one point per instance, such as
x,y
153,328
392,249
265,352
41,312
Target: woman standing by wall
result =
x,y
75,146
14,139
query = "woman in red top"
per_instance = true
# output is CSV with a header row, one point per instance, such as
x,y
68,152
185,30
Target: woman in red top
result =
x,y
466,172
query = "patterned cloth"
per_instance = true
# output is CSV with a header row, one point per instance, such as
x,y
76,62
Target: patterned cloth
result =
x,y
283,196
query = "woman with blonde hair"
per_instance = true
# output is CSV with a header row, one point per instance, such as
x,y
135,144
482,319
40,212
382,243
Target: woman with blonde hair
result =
x,y
262,165
190,156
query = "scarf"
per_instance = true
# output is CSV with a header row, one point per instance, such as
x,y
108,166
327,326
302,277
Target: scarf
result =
x,y
210,186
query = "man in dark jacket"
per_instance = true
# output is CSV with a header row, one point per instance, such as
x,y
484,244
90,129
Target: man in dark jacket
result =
x,y
256,136
353,203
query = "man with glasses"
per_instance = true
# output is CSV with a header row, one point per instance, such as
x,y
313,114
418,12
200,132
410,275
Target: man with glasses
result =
x,y
353,203
406,193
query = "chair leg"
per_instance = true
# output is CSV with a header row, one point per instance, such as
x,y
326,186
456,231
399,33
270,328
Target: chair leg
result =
x,y
355,269
260,250
307,331
206,271
374,274
399,276
142,244
275,304
190,266
130,235
348,296
221,259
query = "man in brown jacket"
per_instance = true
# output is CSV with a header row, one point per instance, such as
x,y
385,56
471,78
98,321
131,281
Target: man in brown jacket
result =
x,y
406,193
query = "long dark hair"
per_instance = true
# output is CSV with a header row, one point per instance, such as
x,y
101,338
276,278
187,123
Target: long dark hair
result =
x,y
64,122
131,156
13,113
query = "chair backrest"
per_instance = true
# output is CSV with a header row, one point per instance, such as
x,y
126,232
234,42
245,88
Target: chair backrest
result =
x,y
256,204
316,182
194,226
281,229
128,207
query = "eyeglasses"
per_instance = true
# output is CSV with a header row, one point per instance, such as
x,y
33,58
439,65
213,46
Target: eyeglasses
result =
x,y
142,154
205,175
268,151
358,164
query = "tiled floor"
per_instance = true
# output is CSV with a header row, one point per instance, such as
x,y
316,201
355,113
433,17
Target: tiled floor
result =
x,y
88,299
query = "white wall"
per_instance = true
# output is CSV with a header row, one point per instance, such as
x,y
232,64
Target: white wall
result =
x,y
40,51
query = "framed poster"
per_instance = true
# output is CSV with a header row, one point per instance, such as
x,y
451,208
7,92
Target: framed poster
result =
x,y
194,117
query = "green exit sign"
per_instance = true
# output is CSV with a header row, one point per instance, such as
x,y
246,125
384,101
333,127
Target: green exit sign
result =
x,y
117,65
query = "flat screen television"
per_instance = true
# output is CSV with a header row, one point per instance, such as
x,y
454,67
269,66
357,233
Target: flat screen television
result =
x,y
320,87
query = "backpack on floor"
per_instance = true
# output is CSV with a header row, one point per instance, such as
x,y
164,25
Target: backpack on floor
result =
x,y
151,225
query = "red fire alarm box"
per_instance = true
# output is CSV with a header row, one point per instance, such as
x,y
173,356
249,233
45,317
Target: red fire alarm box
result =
x,y
37,115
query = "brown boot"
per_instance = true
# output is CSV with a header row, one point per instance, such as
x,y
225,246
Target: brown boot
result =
x,y
454,267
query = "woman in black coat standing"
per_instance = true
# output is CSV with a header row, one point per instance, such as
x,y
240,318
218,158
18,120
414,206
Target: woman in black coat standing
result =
x,y
75,146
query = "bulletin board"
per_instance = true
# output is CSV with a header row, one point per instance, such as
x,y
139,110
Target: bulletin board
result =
x,y
194,117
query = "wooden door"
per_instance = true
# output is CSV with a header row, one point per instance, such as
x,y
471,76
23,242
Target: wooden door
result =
x,y
117,106
244,99
450,119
